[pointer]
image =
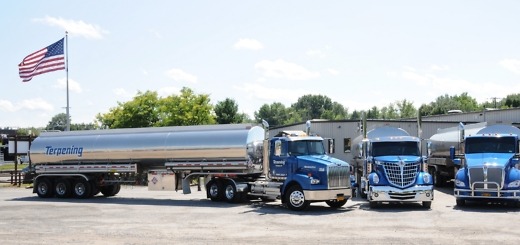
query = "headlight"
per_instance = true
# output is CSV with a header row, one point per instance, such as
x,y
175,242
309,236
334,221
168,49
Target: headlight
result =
x,y
427,178
459,183
315,181
514,184
375,178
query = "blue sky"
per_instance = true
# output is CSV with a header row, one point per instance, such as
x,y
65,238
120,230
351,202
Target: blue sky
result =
x,y
359,53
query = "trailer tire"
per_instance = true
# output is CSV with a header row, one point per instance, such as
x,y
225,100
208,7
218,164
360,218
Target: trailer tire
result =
x,y
63,188
44,187
215,191
230,193
110,190
81,189
336,203
295,199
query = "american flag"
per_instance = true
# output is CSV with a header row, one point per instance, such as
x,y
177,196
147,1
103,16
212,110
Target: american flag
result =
x,y
48,59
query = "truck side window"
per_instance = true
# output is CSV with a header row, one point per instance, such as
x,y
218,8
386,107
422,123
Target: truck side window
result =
x,y
278,148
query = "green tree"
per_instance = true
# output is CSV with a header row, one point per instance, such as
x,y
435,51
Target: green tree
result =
x,y
314,107
355,115
275,114
226,112
445,103
141,111
373,113
406,109
58,122
185,109
512,101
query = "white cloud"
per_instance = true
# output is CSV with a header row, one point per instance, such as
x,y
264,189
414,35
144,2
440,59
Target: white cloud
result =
x,y
75,28
6,105
181,76
271,94
247,43
283,69
122,93
333,71
29,104
36,104
439,68
511,64
167,91
319,53
73,85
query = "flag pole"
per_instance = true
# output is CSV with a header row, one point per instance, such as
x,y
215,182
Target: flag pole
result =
x,y
67,71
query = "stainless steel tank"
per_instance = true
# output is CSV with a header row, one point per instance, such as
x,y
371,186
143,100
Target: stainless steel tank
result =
x,y
441,142
150,145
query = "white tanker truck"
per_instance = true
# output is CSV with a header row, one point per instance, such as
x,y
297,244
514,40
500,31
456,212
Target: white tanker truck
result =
x,y
238,161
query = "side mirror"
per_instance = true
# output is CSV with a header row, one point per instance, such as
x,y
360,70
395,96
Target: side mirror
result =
x,y
457,161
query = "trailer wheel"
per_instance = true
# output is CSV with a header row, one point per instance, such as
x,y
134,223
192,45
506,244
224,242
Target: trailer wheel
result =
x,y
215,190
230,193
44,188
295,198
63,188
110,190
81,188
336,203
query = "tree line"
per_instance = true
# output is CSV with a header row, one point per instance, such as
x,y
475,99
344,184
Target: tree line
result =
x,y
148,109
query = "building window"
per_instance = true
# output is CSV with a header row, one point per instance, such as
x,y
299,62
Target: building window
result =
x,y
346,145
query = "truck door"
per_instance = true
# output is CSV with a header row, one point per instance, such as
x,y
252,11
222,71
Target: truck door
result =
x,y
278,164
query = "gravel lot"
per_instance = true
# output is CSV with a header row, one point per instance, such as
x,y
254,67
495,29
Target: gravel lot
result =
x,y
139,216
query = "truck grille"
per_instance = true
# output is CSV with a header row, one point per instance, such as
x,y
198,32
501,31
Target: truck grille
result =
x,y
401,174
484,175
338,176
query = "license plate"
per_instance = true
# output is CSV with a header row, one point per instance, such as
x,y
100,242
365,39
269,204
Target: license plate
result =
x,y
340,198
486,194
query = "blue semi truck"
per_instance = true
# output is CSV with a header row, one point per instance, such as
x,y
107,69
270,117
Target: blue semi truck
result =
x,y
489,166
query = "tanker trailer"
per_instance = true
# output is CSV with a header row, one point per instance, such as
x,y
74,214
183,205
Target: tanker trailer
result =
x,y
236,160
392,168
442,147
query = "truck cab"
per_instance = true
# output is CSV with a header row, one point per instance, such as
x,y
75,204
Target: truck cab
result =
x,y
393,168
490,166
307,174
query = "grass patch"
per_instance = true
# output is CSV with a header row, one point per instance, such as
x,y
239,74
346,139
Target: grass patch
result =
x,y
10,166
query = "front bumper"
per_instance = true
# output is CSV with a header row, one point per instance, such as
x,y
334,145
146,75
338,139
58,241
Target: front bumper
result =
x,y
325,195
420,193
487,194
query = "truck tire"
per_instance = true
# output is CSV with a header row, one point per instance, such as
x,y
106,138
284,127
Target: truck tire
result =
x,y
118,188
373,204
427,204
437,178
110,190
336,203
94,189
230,193
63,188
461,202
215,191
295,199
81,188
44,187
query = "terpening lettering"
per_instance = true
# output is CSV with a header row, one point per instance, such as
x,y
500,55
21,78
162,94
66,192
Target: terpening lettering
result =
x,y
57,151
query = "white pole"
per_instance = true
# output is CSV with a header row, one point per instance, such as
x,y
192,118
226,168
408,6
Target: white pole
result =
x,y
67,71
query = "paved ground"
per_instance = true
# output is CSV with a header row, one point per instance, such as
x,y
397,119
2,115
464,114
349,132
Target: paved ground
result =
x,y
138,216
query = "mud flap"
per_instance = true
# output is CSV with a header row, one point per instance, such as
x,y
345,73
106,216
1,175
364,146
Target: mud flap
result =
x,y
186,189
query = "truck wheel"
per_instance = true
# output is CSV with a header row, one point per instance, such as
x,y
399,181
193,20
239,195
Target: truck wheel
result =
x,y
295,198
215,190
118,188
44,187
461,202
373,204
336,203
230,193
427,204
110,190
63,188
81,188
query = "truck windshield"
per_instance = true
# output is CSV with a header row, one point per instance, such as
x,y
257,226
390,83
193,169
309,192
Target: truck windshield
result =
x,y
306,147
409,148
490,144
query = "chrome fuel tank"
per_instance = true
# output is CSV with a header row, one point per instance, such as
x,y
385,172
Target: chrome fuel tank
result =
x,y
150,145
